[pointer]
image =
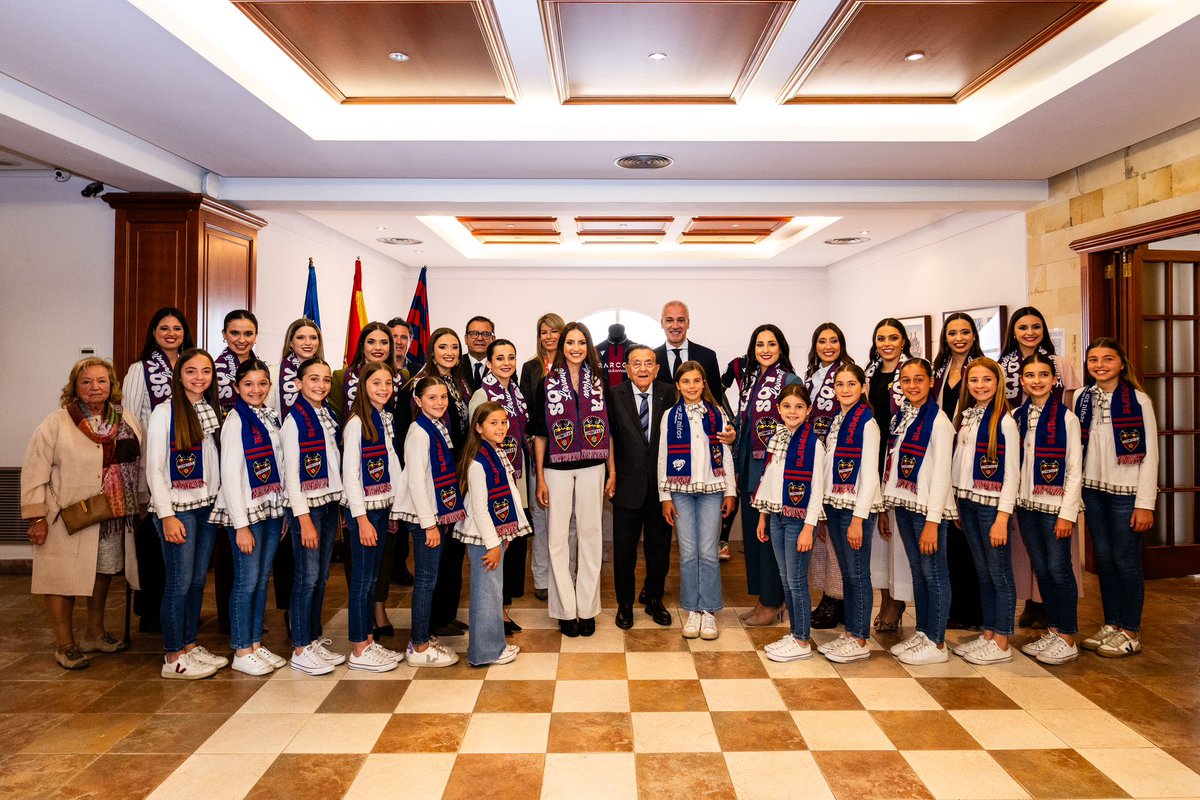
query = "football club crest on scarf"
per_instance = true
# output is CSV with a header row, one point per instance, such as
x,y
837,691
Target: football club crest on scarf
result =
x,y
1128,424
187,466
1048,469
988,466
564,433
913,445
310,432
312,464
796,492
847,449
764,429
441,473
593,430
679,441
757,406
568,411
449,497
185,463
988,473
501,508
263,470
907,465
798,471
258,450
1049,445
845,468
375,468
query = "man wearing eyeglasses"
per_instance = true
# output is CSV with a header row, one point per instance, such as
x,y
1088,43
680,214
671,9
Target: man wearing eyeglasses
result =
x,y
480,333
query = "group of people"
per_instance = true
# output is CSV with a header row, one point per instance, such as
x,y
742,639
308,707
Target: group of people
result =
x,y
874,472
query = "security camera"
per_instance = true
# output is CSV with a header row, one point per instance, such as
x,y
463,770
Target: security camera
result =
x,y
93,189
61,175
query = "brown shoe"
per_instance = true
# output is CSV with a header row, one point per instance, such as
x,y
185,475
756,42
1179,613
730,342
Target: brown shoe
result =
x,y
765,615
72,658
107,643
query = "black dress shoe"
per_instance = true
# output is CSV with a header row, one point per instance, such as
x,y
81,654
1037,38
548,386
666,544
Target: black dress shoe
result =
x,y
446,630
458,623
658,612
624,616
642,596
824,615
511,627
384,630
541,594
587,626
569,627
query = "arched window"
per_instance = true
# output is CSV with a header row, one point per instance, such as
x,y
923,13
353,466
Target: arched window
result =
x,y
638,327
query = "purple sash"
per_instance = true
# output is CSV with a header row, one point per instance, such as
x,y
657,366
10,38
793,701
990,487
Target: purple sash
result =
x,y
824,403
156,370
761,415
578,426
679,443
289,389
500,504
518,417
226,368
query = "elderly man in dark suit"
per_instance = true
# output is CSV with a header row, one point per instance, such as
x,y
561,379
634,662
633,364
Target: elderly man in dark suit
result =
x,y
635,410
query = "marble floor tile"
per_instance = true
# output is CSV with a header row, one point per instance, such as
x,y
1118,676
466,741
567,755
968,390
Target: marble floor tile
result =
x,y
288,697
1145,772
674,732
892,694
506,733
730,638
254,733
744,731
305,776
590,732
841,730
513,776
855,775
38,774
660,666
776,776
1089,728
425,775
591,666
1056,774
526,667
727,664
538,640
238,774
422,733
655,640
924,730
742,694
133,696
1030,693
817,694
170,733
338,733
516,697
605,640
211,697
963,775
119,775
18,730
813,667
362,697
86,733
667,695
440,697
966,693
879,665
1007,730
590,776
612,696
683,775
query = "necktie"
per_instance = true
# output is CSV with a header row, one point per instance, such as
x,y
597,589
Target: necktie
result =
x,y
478,373
677,360
644,414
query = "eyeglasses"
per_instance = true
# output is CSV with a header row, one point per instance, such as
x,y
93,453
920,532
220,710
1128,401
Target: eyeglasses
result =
x,y
480,335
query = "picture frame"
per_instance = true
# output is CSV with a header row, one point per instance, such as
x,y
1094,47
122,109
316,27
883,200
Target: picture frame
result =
x,y
992,322
920,334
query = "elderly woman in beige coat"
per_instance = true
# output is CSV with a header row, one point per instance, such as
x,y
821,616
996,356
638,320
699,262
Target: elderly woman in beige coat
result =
x,y
89,446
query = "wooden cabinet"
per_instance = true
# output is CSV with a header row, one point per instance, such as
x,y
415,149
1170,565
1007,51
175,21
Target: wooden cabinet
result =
x,y
182,250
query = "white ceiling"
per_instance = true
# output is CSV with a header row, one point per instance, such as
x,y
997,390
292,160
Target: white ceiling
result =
x,y
103,89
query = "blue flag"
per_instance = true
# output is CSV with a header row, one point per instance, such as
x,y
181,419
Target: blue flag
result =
x,y
311,309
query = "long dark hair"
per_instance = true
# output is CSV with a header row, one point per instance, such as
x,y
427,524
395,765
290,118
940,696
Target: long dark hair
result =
x,y
360,355
474,442
361,407
890,322
188,430
944,353
1126,374
814,361
592,360
859,375
151,345
430,367
1010,336
785,352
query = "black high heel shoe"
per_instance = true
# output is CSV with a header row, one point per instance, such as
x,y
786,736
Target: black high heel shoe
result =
x,y
511,627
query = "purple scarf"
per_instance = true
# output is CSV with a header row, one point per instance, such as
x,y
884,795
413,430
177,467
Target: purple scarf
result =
x,y
578,425
894,386
798,472
226,368
761,415
501,507
1049,445
374,462
288,388
514,404
824,403
187,466
157,372
847,450
913,447
441,468
314,459
987,474
679,443
1128,424
262,468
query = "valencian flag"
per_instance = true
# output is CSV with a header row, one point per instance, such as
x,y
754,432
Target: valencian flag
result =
x,y
358,314
311,309
418,320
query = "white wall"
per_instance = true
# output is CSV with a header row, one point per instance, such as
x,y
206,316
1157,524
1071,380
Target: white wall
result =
x,y
964,261
56,281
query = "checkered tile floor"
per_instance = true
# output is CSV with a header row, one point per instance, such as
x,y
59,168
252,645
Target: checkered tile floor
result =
x,y
639,713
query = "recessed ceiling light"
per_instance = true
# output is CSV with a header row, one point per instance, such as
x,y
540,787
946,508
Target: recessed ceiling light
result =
x,y
657,56
644,161
381,227
401,240
510,225
915,55
736,225
848,240
398,56
864,233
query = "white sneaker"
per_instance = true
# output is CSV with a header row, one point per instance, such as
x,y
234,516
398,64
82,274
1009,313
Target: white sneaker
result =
x,y
1040,644
833,644
320,647
251,664
924,653
434,656
310,662
850,651
791,651
386,653
962,648
989,653
269,657
708,626
1059,652
912,641
1094,641
510,653
199,653
691,628
187,668
371,660
781,644
1120,645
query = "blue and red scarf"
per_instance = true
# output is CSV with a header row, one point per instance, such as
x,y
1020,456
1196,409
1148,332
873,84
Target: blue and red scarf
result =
x,y
262,467
798,471
912,447
226,368
824,403
314,458
187,466
156,370
679,442
500,504
1049,445
847,450
441,468
758,407
289,388
987,472
517,409
373,459
1128,424
578,426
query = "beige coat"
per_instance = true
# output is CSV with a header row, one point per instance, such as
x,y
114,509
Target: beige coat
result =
x,y
60,456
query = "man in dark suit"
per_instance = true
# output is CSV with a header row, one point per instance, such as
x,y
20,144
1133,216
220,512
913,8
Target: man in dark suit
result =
x,y
480,333
635,410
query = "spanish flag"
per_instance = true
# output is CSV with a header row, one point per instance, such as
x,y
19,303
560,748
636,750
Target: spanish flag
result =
x,y
358,314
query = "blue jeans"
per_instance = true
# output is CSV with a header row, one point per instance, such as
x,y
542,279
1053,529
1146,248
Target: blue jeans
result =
x,y
425,572
1051,561
1117,552
930,574
855,566
364,569
312,570
698,527
186,570
251,573
793,571
993,567
487,609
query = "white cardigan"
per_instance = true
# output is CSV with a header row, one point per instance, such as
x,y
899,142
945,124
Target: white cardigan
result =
x,y
1100,468
933,496
298,499
963,471
164,497
352,484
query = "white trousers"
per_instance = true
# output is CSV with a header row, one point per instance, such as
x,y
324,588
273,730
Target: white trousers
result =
x,y
540,546
580,491
889,563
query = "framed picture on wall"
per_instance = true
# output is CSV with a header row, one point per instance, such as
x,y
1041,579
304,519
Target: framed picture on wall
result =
x,y
919,334
991,322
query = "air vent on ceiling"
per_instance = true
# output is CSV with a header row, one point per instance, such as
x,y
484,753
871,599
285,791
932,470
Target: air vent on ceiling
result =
x,y
644,161
397,240
848,240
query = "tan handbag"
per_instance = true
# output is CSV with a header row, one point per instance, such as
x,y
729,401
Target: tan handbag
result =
x,y
85,513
